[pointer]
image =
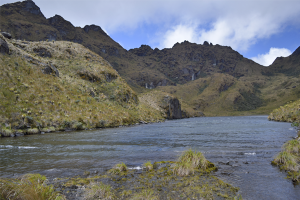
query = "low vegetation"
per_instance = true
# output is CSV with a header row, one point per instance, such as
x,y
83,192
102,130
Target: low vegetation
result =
x,y
156,181
56,86
28,187
289,157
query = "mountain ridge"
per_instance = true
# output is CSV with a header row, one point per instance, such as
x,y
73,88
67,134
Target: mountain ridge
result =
x,y
217,73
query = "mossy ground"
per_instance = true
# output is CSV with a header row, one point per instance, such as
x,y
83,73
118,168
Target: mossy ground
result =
x,y
88,93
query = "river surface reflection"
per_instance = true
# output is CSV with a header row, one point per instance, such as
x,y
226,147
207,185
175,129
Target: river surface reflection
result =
x,y
242,148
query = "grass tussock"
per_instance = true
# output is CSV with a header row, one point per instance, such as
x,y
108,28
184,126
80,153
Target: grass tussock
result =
x,y
118,168
30,186
148,165
188,162
98,191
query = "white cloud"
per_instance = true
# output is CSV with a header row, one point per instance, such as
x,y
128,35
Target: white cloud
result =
x,y
268,58
238,23
178,34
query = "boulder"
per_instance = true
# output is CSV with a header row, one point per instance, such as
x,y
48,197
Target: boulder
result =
x,y
7,35
3,47
50,69
172,108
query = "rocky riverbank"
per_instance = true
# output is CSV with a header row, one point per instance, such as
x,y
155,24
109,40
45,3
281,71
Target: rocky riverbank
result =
x,y
289,158
182,179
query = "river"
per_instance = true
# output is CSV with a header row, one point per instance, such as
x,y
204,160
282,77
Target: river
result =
x,y
241,147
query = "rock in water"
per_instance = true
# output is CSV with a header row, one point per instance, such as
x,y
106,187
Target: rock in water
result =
x,y
3,47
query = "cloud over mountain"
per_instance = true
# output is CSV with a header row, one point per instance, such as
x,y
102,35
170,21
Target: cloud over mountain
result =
x,y
268,58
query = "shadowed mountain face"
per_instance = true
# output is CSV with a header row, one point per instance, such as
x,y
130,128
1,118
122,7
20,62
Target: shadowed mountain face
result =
x,y
205,77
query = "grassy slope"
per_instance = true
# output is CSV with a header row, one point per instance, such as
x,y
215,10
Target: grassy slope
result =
x,y
31,99
251,92
223,94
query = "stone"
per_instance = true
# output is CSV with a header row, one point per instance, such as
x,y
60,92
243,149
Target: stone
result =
x,y
7,35
42,52
172,108
3,47
50,69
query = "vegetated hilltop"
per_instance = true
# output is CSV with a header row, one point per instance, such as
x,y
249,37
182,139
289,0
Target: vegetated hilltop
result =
x,y
50,86
209,79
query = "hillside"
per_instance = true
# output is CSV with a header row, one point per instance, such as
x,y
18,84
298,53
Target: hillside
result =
x,y
51,86
206,78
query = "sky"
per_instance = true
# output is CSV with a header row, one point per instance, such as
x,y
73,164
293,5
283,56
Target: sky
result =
x,y
260,30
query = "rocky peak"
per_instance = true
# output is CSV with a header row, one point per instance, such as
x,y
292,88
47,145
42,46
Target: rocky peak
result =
x,y
95,28
58,20
62,25
144,50
296,52
31,7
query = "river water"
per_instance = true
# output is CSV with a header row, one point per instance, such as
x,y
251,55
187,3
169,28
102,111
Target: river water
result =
x,y
241,147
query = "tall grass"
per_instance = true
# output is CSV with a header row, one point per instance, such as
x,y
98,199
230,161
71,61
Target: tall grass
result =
x,y
98,191
188,162
118,168
29,187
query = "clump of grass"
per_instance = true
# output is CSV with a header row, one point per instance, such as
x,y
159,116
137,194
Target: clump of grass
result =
x,y
98,191
295,176
287,161
146,194
188,162
148,165
292,146
118,168
126,193
30,186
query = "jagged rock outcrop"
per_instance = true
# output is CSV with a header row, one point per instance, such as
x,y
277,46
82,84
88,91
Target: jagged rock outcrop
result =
x,y
172,107
144,50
